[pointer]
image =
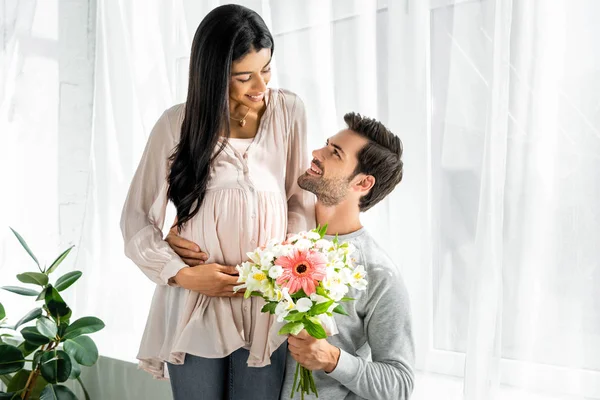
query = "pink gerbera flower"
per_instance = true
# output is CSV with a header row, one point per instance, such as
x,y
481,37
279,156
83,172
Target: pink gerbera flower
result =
x,y
301,270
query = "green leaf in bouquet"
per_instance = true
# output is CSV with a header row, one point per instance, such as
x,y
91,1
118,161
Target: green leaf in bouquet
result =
x,y
11,359
83,350
320,308
295,316
298,295
57,392
35,278
20,290
25,246
340,310
55,366
269,307
2,312
67,280
347,299
314,328
293,328
336,240
83,326
34,337
58,260
320,290
47,327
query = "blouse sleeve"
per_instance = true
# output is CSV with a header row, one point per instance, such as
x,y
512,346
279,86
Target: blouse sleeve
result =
x,y
144,210
301,203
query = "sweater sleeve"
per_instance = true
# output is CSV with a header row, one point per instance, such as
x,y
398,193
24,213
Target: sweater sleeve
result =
x,y
144,211
389,373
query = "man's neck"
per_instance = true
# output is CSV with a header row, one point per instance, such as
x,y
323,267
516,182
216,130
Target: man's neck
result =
x,y
341,219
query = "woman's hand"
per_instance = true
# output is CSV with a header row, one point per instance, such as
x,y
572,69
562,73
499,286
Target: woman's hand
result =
x,y
190,252
209,279
213,280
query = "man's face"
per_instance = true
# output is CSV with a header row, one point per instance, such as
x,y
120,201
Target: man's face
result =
x,y
330,176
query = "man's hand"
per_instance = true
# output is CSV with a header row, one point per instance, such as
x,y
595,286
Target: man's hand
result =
x,y
189,251
313,354
213,280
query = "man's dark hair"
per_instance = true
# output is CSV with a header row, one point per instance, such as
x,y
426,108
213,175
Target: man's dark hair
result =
x,y
381,157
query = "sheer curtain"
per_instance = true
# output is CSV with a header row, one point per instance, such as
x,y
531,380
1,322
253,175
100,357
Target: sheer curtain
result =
x,y
514,143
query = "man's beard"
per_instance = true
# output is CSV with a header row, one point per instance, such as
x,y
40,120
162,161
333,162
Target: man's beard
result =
x,y
329,191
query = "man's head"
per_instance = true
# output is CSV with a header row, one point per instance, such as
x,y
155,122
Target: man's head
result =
x,y
361,164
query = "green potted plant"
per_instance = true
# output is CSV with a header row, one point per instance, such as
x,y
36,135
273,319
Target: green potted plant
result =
x,y
52,347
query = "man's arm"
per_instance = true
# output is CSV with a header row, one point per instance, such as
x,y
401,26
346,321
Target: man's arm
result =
x,y
389,334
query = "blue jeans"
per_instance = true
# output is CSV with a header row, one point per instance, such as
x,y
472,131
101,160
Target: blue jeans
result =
x,y
228,378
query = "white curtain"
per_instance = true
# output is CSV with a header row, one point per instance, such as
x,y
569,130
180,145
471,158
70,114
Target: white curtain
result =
x,y
494,225
515,153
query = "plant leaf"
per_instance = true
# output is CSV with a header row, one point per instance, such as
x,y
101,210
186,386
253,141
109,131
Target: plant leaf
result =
x,y
55,366
314,328
85,392
47,327
75,369
58,260
24,244
83,326
5,379
55,303
35,278
27,348
340,310
67,280
57,392
269,307
34,337
20,290
293,328
31,315
11,359
2,312
320,308
83,350
18,381
295,316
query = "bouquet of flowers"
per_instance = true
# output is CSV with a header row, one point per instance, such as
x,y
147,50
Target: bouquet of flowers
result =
x,y
303,281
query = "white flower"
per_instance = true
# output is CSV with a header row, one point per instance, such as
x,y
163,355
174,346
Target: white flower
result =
x,y
324,244
266,260
313,235
254,256
358,278
285,306
304,304
275,271
336,288
257,281
318,298
303,244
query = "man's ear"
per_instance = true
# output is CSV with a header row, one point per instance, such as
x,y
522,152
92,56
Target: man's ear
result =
x,y
365,183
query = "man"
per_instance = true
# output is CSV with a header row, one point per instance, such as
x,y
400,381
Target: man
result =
x,y
372,355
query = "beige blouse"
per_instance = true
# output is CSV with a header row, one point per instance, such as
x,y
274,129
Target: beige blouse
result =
x,y
252,197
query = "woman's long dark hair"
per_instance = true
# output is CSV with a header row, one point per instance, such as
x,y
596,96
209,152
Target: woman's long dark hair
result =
x,y
226,34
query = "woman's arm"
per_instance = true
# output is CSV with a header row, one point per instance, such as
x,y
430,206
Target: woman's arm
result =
x,y
144,210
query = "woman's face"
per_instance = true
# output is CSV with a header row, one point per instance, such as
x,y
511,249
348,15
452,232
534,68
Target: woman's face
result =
x,y
249,78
